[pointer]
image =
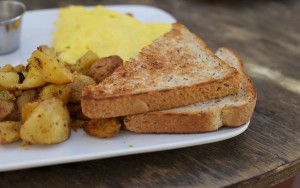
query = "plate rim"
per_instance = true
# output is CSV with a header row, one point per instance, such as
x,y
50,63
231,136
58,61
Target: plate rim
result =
x,y
124,152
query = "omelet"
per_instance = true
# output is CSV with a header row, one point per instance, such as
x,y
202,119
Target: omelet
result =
x,y
102,31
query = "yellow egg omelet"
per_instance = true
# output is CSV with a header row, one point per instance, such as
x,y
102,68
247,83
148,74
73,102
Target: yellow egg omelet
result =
x,y
105,32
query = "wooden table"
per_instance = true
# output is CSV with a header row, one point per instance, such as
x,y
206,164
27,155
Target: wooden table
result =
x,y
267,36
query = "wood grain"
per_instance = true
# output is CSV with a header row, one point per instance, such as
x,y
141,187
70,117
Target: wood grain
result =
x,y
267,36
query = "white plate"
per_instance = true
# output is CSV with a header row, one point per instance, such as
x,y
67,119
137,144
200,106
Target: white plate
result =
x,y
37,29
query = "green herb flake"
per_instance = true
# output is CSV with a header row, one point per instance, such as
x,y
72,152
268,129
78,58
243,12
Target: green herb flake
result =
x,y
3,94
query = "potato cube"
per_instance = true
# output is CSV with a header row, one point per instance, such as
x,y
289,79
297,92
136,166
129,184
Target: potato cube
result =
x,y
26,97
48,123
9,131
83,64
79,83
52,90
9,80
51,69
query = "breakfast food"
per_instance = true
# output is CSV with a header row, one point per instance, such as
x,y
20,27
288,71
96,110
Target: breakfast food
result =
x,y
174,84
232,110
102,128
43,101
177,69
9,131
48,123
104,67
102,31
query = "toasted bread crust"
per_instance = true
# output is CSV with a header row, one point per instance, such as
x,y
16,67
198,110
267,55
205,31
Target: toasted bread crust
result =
x,y
156,100
107,100
233,116
199,120
156,122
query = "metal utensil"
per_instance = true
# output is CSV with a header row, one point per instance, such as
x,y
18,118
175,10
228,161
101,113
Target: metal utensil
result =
x,y
11,13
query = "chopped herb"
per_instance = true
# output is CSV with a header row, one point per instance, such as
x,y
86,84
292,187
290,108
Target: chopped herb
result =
x,y
3,94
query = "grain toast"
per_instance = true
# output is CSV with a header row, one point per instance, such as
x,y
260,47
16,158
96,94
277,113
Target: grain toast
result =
x,y
233,110
177,69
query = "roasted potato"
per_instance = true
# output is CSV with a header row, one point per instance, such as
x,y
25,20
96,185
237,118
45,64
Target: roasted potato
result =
x,y
83,64
18,92
7,96
14,115
9,131
76,111
7,68
37,100
51,68
59,91
48,123
104,67
102,128
26,97
27,110
9,80
20,68
33,78
47,50
79,83
6,108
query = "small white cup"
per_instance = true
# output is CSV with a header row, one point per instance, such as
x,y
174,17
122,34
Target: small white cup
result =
x,y
11,13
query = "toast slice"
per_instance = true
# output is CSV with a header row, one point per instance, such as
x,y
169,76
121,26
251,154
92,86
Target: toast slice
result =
x,y
233,110
177,69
